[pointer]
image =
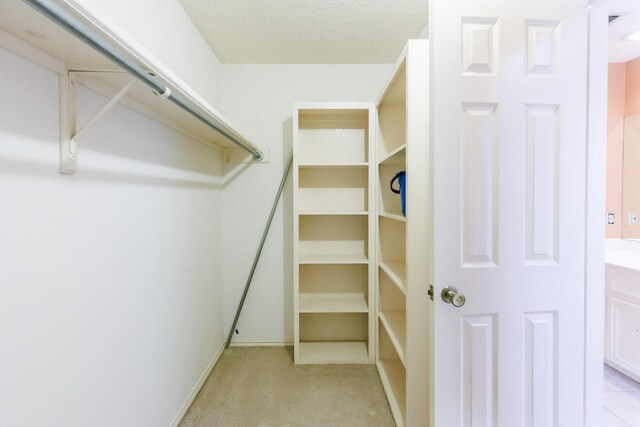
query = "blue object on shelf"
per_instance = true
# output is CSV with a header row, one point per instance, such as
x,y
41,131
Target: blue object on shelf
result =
x,y
401,177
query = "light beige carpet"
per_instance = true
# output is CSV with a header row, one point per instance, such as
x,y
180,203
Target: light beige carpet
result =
x,y
260,386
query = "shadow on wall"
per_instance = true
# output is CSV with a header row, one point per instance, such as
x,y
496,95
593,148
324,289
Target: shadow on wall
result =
x,y
125,148
47,170
287,235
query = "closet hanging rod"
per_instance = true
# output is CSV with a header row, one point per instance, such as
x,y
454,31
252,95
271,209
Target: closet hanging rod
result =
x,y
71,24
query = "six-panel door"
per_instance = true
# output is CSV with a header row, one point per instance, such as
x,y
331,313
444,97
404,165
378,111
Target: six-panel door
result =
x,y
509,119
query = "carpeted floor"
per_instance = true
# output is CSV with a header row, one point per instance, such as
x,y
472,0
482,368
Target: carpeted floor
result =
x,y
260,386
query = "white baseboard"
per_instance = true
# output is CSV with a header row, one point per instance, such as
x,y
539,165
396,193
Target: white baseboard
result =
x,y
623,370
261,344
197,388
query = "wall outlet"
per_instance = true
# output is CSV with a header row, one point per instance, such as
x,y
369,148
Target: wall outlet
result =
x,y
611,218
633,218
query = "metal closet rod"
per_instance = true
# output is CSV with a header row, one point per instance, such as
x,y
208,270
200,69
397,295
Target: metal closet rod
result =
x,y
71,24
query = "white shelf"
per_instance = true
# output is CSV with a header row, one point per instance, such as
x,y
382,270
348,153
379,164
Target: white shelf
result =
x,y
341,352
397,272
395,322
332,235
334,213
332,259
332,200
332,165
334,279
323,142
392,375
394,216
61,51
396,157
333,303
333,189
402,146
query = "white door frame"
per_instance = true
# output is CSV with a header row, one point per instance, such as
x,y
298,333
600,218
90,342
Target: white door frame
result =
x,y
595,205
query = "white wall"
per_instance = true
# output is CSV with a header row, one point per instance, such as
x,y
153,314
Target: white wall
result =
x,y
259,99
424,34
110,280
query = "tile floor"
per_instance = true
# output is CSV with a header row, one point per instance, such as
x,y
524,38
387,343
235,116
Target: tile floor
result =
x,y
621,400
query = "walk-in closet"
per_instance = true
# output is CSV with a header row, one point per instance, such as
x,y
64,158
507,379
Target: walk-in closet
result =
x,y
300,213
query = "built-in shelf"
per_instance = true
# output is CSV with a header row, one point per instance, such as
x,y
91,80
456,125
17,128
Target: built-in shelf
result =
x,y
332,303
331,137
403,146
397,272
334,220
341,239
334,213
395,323
334,279
394,216
332,259
333,352
393,378
396,157
393,373
332,165
333,189
68,55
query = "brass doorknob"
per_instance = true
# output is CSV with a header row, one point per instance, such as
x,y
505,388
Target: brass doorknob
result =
x,y
452,296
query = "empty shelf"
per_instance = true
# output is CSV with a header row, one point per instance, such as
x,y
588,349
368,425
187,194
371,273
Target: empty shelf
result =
x,y
393,378
333,259
333,165
396,157
395,322
397,272
394,216
341,352
333,213
332,303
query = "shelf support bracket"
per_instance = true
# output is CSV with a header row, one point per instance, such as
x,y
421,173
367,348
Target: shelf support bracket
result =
x,y
68,132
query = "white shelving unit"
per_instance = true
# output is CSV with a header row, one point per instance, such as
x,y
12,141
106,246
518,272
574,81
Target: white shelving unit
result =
x,y
334,252
402,242
361,268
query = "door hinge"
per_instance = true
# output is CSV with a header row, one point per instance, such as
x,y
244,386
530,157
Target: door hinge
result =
x,y
430,292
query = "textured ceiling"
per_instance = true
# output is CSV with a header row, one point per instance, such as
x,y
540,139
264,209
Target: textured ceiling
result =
x,y
621,50
307,31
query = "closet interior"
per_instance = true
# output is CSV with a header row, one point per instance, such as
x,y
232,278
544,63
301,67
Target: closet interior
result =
x,y
354,278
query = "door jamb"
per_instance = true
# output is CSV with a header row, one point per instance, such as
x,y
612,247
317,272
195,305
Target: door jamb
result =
x,y
595,208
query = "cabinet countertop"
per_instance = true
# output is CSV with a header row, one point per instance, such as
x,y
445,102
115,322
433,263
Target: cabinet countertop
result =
x,y
622,258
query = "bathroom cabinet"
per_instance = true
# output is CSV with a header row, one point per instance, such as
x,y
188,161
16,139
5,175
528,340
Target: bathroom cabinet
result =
x,y
622,313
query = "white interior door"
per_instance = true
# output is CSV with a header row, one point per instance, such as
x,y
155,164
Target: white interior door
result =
x,y
509,120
